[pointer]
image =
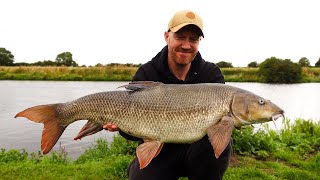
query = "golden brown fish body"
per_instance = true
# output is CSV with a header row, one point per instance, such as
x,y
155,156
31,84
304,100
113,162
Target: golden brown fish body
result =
x,y
169,113
158,113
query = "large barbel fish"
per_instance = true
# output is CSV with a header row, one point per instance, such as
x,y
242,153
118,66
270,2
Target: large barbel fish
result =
x,y
158,113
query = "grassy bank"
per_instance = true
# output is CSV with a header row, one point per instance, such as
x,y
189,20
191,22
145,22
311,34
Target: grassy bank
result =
x,y
108,73
124,73
290,153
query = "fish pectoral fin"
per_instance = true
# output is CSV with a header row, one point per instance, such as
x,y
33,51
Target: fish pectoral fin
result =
x,y
88,129
147,151
219,134
141,85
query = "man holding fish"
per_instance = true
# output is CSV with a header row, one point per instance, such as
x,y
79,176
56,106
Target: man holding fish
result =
x,y
180,62
178,107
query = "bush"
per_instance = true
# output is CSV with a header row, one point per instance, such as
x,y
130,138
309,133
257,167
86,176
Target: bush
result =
x,y
253,64
13,155
119,146
56,158
304,62
248,142
317,63
224,64
274,70
302,136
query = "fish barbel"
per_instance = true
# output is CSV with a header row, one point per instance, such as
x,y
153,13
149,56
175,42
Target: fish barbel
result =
x,y
158,113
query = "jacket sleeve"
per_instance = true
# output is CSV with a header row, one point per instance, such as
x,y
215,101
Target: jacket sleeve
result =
x,y
216,75
211,73
139,76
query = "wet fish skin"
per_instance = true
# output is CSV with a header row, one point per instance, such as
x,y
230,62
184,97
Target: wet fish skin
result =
x,y
158,113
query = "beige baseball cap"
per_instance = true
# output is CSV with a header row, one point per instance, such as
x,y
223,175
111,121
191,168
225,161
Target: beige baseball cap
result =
x,y
183,18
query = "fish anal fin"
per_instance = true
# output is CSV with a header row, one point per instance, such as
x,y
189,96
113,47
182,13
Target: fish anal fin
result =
x,y
219,134
141,85
147,151
89,129
48,115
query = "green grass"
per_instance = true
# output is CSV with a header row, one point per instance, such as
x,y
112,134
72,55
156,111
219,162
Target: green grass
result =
x,y
240,74
108,73
114,168
99,162
251,168
264,154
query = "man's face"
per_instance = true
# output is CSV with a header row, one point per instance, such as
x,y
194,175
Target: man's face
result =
x,y
183,45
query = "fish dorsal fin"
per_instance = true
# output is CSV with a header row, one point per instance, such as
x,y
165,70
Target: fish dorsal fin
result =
x,y
147,151
141,85
88,129
219,134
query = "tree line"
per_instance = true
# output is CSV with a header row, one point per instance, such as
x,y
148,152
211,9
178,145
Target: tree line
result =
x,y
272,70
62,59
65,59
303,62
276,70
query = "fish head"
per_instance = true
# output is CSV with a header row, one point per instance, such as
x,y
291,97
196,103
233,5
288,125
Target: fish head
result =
x,y
249,108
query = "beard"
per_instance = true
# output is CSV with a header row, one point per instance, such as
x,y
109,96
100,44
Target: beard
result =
x,y
183,57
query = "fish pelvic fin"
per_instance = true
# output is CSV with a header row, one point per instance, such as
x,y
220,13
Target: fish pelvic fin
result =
x,y
48,115
89,129
219,134
147,151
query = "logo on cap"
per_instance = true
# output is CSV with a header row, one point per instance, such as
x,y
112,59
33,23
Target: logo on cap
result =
x,y
191,15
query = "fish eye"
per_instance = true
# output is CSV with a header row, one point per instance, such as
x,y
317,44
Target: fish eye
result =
x,y
261,101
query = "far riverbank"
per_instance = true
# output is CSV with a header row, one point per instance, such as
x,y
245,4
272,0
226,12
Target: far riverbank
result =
x,y
124,73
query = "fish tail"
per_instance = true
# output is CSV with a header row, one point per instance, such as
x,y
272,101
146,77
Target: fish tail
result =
x,y
48,115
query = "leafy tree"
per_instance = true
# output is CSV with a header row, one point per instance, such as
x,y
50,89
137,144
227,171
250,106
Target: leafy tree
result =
x,y
274,70
45,63
317,63
224,64
65,59
253,64
22,64
304,62
99,65
113,64
6,58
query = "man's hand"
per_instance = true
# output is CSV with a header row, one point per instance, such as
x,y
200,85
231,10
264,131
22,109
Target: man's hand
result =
x,y
111,127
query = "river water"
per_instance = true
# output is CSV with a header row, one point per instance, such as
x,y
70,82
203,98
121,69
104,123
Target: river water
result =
x,y
298,101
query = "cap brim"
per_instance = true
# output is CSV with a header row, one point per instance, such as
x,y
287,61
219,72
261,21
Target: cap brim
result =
x,y
177,28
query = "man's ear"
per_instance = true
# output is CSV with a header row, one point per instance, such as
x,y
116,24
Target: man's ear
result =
x,y
166,36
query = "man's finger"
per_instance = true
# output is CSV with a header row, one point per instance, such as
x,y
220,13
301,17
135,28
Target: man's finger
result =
x,y
106,126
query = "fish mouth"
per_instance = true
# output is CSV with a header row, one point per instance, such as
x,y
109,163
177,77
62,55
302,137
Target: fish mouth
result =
x,y
277,115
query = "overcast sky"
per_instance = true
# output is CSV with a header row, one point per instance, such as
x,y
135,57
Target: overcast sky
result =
x,y
127,31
